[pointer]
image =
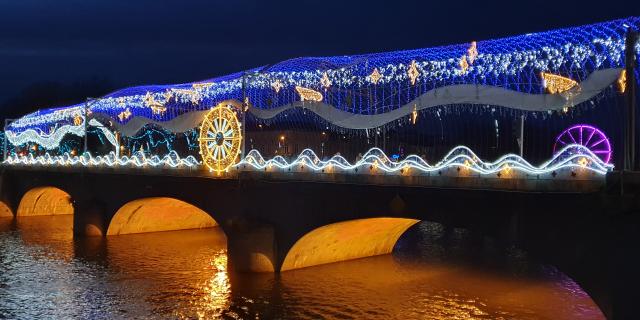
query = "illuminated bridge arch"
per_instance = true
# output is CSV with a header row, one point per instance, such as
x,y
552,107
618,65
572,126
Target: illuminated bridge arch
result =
x,y
45,201
158,214
5,211
346,241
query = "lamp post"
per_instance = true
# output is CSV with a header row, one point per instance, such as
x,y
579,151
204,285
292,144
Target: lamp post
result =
x,y
521,138
87,104
631,91
245,107
4,147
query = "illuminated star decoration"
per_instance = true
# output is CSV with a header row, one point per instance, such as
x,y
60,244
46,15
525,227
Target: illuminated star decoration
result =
x,y
276,85
202,86
464,65
124,115
193,95
77,120
622,81
413,72
325,82
168,95
158,109
195,98
155,106
472,52
467,60
307,94
148,99
246,104
583,162
375,76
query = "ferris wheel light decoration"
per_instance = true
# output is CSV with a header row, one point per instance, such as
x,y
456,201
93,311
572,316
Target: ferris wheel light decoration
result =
x,y
586,135
220,138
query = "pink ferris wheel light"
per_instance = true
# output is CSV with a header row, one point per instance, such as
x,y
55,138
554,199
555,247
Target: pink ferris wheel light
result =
x,y
586,135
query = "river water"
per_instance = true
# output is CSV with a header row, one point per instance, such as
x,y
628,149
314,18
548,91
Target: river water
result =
x,y
433,274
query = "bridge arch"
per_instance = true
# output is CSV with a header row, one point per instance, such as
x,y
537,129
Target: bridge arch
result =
x,y
346,240
158,214
5,211
45,201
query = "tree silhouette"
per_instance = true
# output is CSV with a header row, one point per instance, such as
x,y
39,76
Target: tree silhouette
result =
x,y
42,95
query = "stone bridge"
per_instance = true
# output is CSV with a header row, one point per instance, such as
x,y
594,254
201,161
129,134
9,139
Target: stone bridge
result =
x,y
279,222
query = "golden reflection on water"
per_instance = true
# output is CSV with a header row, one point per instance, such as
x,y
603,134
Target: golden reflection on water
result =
x,y
53,232
187,270
384,287
183,274
214,297
5,223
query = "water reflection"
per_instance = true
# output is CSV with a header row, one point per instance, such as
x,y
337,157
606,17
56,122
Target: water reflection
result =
x,y
216,292
180,273
45,273
387,287
54,232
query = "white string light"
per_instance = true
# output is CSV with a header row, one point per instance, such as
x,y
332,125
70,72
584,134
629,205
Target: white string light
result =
x,y
572,157
139,159
50,141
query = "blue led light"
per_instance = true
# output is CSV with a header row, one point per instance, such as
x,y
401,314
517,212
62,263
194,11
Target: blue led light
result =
x,y
512,63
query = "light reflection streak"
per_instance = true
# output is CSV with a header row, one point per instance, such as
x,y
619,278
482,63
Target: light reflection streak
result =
x,y
213,299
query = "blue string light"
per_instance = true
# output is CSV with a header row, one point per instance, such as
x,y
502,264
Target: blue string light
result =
x,y
513,63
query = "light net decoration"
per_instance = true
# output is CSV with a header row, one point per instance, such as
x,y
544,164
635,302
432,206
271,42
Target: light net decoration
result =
x,y
220,138
368,84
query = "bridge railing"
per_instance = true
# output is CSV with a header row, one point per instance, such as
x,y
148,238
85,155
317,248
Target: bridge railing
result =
x,y
459,168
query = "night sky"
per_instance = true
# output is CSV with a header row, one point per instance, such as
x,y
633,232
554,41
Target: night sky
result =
x,y
83,47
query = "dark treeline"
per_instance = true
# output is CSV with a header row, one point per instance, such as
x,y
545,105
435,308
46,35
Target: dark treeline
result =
x,y
47,94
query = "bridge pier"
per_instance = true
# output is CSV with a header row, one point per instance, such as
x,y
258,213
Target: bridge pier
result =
x,y
252,248
90,223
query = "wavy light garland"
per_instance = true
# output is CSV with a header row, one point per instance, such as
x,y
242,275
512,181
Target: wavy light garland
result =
x,y
572,157
139,159
50,141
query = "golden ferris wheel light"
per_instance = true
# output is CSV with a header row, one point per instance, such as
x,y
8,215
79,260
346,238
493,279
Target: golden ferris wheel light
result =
x,y
220,138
